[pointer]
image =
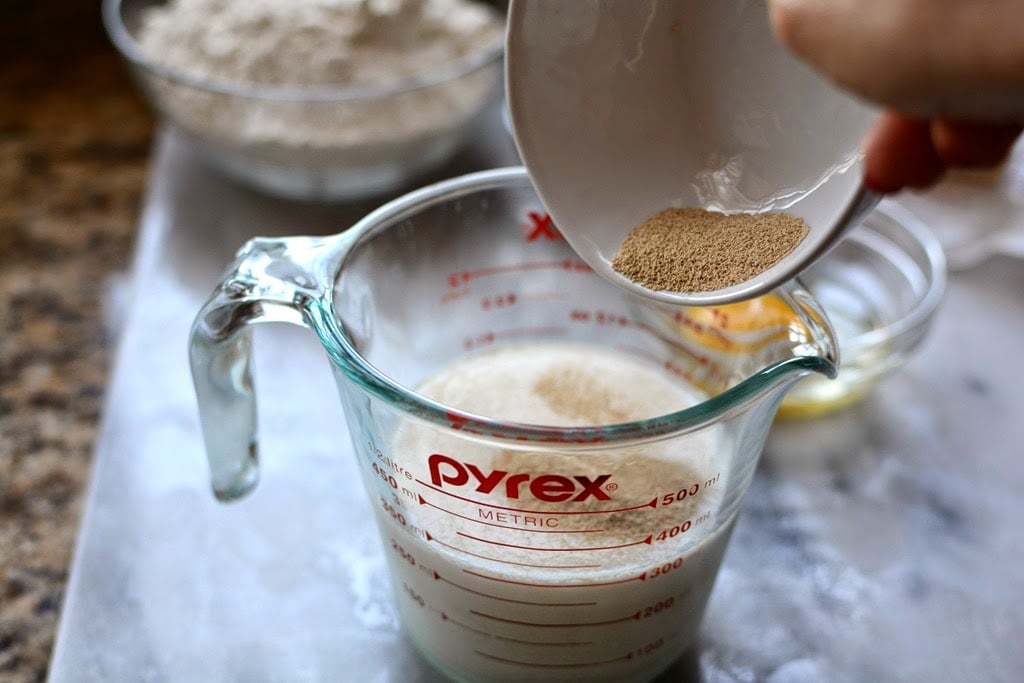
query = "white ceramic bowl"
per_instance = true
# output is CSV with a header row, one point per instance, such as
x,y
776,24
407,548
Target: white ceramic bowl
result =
x,y
314,142
622,108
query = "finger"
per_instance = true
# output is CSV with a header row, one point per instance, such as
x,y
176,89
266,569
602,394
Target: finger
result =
x,y
973,145
899,153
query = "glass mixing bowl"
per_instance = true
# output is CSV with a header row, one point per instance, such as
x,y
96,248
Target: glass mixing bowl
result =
x,y
321,143
880,286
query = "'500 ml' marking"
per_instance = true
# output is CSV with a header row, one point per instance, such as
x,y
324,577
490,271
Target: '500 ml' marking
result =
x,y
688,491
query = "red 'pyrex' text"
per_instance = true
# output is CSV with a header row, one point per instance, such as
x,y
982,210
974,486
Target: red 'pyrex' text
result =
x,y
550,488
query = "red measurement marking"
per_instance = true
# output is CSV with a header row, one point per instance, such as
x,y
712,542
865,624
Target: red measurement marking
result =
x,y
499,301
456,421
550,513
631,617
541,225
530,332
683,319
438,577
430,537
539,665
424,501
606,318
454,296
445,617
483,339
464,276
556,550
570,643
593,584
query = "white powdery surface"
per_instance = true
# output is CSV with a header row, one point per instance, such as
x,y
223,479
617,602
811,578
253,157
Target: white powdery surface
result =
x,y
372,44
317,42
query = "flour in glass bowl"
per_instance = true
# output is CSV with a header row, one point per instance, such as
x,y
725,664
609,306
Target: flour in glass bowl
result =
x,y
342,93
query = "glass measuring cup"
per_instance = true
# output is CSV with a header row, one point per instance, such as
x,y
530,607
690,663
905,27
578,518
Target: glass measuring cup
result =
x,y
582,552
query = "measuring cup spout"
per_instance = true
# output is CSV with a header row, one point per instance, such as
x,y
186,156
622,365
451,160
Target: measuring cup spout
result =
x,y
814,348
271,280
759,348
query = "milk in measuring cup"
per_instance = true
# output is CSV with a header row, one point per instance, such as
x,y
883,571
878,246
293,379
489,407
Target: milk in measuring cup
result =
x,y
530,565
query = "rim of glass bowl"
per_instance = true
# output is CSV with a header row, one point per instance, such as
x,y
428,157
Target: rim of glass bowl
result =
x,y
933,269
358,369
125,42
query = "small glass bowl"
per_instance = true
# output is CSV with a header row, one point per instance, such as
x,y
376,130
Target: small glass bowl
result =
x,y
318,143
880,287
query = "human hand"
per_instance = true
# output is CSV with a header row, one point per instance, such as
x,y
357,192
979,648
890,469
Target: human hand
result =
x,y
949,72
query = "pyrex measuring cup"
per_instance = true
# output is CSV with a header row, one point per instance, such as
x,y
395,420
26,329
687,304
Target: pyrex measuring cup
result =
x,y
518,551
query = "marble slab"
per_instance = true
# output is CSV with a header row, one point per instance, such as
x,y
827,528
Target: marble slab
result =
x,y
882,543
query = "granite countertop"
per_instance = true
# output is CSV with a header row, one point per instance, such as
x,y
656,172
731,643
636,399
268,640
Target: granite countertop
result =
x,y
74,145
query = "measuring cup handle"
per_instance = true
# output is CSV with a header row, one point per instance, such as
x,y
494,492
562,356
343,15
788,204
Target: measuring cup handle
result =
x,y
271,280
